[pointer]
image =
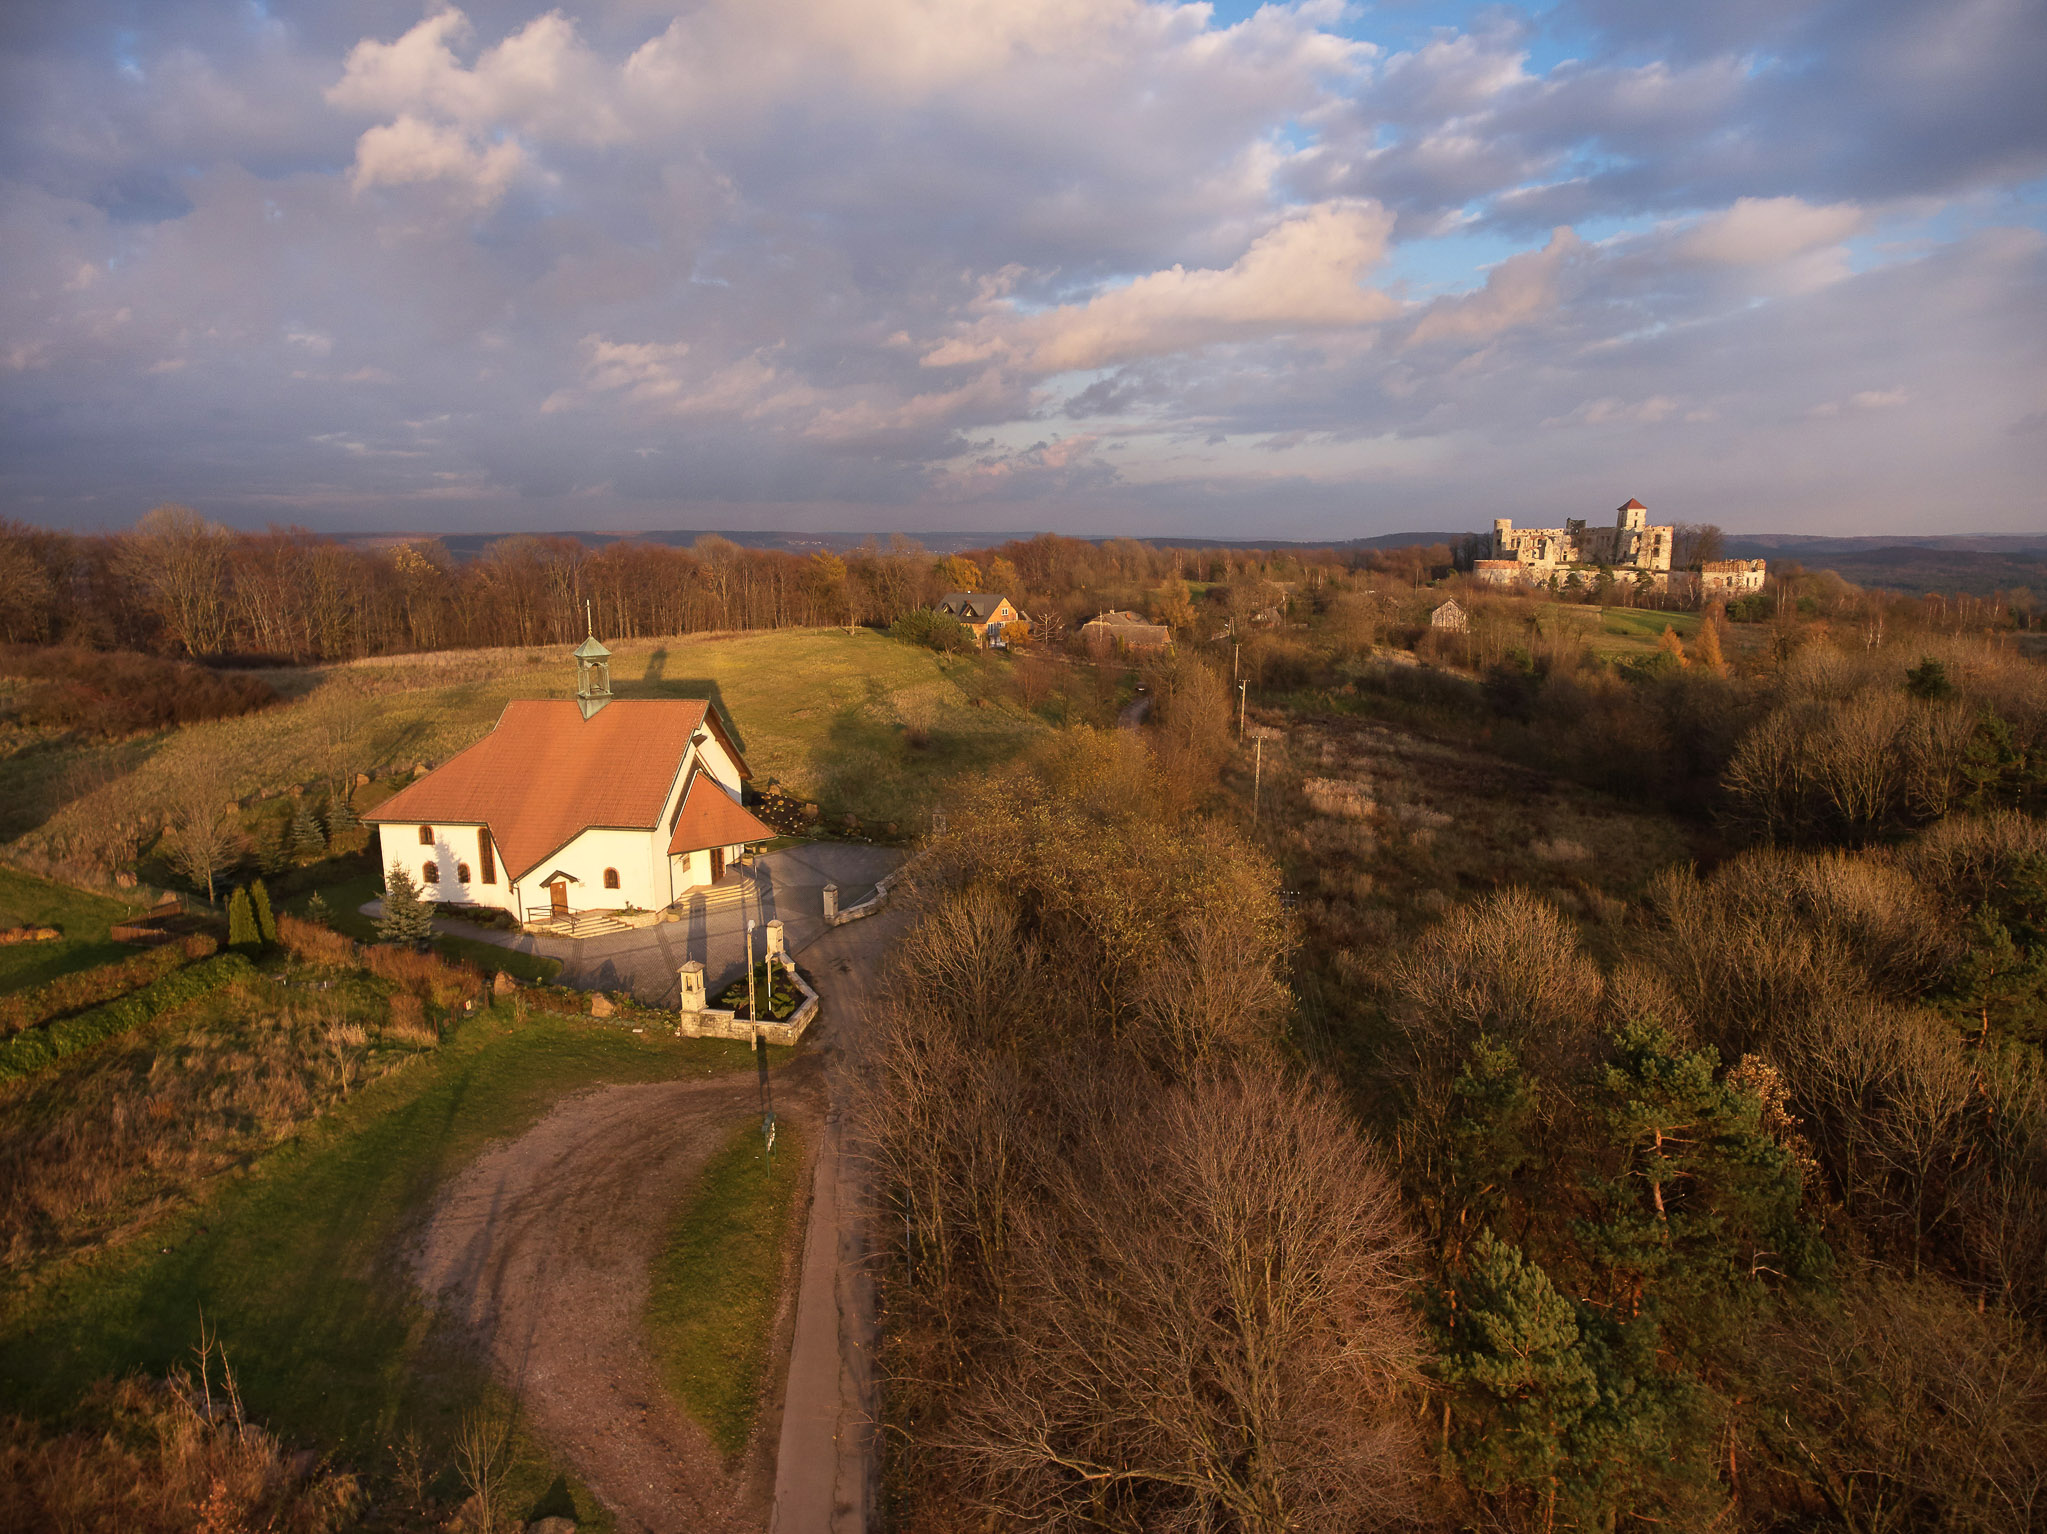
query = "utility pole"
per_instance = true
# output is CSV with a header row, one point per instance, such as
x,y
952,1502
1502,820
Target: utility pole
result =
x,y
1257,776
1240,708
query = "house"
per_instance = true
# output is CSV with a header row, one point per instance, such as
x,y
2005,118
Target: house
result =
x,y
1124,630
1730,577
993,618
1450,616
591,803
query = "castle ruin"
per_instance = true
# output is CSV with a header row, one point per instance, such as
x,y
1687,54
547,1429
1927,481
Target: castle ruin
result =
x,y
1547,555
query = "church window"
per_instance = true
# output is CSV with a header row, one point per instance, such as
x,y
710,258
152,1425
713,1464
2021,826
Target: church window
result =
x,y
611,878
432,872
487,857
461,873
426,836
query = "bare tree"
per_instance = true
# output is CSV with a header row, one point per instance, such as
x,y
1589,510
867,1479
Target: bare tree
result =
x,y
180,560
205,824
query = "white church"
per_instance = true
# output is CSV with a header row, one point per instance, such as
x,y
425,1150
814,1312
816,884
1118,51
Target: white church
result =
x,y
593,803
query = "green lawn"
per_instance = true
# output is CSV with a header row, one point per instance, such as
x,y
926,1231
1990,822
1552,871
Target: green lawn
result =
x,y
26,900
297,1264
859,723
718,1280
1630,633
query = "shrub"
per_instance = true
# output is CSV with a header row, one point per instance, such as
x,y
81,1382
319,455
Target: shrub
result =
x,y
90,987
40,1048
935,631
266,919
241,921
120,693
316,944
424,974
307,844
407,1022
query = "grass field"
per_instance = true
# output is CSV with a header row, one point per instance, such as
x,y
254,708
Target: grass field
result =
x,y
718,1280
859,723
27,901
346,898
297,1265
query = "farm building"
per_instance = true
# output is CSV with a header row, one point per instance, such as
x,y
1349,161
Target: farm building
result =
x,y
1126,631
1451,616
574,805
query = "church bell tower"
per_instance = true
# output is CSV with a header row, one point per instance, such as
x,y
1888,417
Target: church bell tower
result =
x,y
593,670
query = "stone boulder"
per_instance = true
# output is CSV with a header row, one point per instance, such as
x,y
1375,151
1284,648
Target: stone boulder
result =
x,y
503,984
601,1005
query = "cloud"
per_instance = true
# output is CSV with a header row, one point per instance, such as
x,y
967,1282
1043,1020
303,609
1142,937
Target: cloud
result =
x,y
766,259
1304,274
1520,290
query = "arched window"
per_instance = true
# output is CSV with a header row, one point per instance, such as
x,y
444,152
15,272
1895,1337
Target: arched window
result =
x,y
461,873
432,872
611,878
426,836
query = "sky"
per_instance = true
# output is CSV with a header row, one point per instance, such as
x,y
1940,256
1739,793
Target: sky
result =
x,y
1094,266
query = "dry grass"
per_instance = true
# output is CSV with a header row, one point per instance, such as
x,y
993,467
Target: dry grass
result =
x,y
98,1148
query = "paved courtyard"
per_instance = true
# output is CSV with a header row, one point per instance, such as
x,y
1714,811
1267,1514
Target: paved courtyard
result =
x,y
786,886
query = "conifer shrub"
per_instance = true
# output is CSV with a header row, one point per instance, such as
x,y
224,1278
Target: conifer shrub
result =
x,y
242,931
407,918
266,920
308,844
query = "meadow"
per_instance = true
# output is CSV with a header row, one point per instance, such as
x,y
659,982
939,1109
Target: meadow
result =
x,y
856,722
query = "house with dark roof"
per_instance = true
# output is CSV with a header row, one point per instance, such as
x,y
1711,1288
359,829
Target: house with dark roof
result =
x,y
591,803
1118,630
993,617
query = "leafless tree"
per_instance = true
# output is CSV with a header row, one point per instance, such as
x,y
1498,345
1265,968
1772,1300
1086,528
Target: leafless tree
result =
x,y
207,835
180,561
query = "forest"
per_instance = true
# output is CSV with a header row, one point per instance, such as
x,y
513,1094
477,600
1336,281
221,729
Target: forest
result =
x,y
1591,1094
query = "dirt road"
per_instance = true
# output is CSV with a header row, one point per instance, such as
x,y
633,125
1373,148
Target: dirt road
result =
x,y
544,1247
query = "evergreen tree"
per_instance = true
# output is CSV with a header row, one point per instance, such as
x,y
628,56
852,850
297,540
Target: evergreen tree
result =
x,y
266,921
317,911
1509,1345
406,918
307,843
273,856
241,921
341,816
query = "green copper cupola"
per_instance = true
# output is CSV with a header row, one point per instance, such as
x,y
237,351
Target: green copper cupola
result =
x,y
593,670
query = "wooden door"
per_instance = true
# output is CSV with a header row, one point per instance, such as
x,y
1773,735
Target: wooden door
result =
x,y
717,864
558,895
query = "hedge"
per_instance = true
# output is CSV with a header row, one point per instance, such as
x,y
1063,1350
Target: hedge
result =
x,y
40,1048
103,982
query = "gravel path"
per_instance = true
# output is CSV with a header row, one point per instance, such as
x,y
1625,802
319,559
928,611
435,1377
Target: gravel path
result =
x,y
543,1247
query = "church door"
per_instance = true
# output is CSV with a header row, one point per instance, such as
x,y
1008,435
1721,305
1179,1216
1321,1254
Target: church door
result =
x,y
717,864
558,894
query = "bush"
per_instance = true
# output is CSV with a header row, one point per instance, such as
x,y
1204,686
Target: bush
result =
x,y
90,987
407,918
315,944
40,1048
120,693
425,974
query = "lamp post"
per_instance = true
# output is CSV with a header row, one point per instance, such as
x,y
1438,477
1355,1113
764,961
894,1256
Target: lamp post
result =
x,y
752,1010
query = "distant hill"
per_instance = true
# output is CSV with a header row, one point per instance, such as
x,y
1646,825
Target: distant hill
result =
x,y
1976,563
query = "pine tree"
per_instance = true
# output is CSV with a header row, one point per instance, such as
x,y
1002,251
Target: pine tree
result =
x,y
406,918
274,856
341,816
266,920
317,910
241,921
307,844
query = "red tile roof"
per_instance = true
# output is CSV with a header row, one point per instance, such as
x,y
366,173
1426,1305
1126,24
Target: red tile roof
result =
x,y
1634,505
545,774
710,817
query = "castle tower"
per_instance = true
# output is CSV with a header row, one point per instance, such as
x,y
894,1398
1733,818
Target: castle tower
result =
x,y
593,670
1633,517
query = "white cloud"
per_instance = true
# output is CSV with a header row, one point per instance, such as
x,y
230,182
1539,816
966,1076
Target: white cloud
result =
x,y
410,150
1520,290
1302,275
